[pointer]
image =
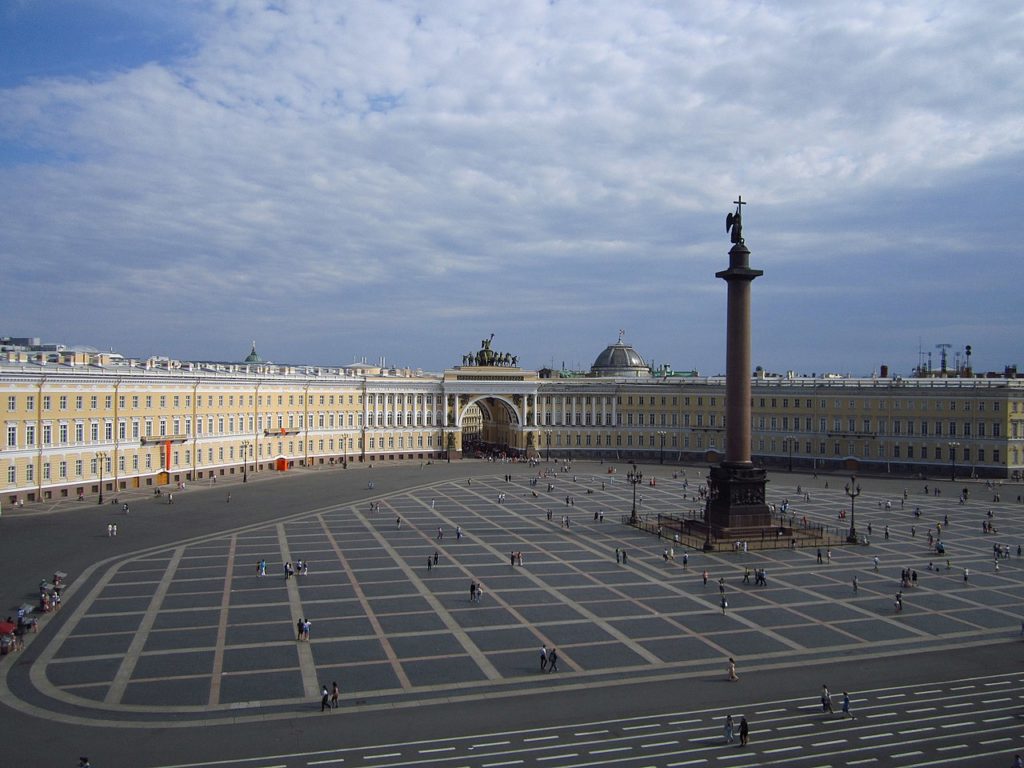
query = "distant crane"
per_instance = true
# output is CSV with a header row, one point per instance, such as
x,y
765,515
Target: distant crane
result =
x,y
942,355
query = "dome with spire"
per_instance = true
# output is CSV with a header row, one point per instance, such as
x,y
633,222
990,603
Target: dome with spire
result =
x,y
620,359
253,357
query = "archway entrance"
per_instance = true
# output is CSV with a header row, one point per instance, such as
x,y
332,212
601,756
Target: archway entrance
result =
x,y
491,426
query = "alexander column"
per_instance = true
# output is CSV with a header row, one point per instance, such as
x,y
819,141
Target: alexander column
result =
x,y
736,504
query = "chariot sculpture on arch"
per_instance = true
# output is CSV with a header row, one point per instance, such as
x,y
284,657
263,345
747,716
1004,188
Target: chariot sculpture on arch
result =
x,y
487,357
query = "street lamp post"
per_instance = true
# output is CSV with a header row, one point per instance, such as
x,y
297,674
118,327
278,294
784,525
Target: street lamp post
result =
x,y
661,455
953,444
789,444
853,491
548,434
635,477
101,457
245,461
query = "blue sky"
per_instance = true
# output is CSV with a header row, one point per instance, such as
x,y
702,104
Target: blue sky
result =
x,y
339,180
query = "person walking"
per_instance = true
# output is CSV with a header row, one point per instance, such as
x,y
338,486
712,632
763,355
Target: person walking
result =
x,y
826,700
472,591
625,560
744,732
729,736
553,659
732,669
335,695
705,575
855,585
325,699
543,658
846,706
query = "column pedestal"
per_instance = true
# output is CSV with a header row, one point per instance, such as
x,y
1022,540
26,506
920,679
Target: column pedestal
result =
x,y
736,505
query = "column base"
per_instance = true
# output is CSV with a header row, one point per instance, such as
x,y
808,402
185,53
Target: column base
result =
x,y
737,506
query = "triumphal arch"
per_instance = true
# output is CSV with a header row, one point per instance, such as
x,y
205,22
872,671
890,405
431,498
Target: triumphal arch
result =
x,y
491,384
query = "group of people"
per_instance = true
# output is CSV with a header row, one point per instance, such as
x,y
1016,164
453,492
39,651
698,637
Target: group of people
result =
x,y
548,659
329,699
300,568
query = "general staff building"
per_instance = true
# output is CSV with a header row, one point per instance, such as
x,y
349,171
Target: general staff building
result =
x,y
79,424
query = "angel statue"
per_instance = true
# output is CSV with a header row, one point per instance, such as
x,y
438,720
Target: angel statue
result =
x,y
734,223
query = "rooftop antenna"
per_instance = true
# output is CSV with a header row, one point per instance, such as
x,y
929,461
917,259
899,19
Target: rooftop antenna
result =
x,y
942,351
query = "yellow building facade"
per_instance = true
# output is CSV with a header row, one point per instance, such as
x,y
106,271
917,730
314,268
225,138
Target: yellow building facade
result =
x,y
77,429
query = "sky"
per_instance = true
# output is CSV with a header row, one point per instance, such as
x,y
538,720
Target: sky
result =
x,y
346,180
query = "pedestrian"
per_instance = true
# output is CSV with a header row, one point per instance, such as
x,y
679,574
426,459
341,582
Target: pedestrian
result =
x,y
83,762
846,705
115,529
686,560
543,658
110,529
553,659
229,498
732,669
876,562
729,737
618,558
819,554
625,559
725,604
705,575
430,562
826,700
435,557
299,626
967,572
721,585
306,626
335,695
744,732
472,591
398,522
325,699
855,585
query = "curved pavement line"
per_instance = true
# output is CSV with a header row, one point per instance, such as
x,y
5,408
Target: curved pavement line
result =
x,y
601,678
302,708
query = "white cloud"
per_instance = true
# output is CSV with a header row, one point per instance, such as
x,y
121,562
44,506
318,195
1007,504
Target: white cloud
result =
x,y
526,165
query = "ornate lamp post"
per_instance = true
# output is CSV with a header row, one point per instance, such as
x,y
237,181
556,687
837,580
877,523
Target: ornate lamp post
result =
x,y
635,477
101,457
245,461
853,491
661,455
953,445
